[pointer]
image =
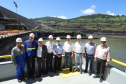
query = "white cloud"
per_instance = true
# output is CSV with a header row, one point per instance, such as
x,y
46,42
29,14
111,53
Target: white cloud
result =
x,y
89,10
62,17
93,6
109,13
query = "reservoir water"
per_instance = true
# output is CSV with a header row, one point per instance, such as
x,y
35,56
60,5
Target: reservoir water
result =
x,y
117,49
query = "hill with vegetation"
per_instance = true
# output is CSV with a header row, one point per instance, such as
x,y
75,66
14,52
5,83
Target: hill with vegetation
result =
x,y
94,24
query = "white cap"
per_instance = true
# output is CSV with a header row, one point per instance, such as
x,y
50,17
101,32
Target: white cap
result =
x,y
31,35
103,39
50,36
18,40
90,37
58,38
40,39
78,36
68,36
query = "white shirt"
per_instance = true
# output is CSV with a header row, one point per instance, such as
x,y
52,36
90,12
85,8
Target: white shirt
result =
x,y
103,53
79,47
39,51
68,47
50,46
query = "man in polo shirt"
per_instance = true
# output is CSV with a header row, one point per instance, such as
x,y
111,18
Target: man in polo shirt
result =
x,y
90,52
30,55
102,58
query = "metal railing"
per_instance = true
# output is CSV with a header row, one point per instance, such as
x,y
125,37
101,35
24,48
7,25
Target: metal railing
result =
x,y
113,60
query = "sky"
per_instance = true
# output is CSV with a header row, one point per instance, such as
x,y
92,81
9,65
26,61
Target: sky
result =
x,y
65,9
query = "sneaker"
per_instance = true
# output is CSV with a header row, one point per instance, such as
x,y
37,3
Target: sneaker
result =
x,y
100,80
96,76
19,80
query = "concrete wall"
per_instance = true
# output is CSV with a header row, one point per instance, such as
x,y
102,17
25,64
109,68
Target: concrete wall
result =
x,y
112,74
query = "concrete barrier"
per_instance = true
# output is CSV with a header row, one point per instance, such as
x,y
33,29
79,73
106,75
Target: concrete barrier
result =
x,y
112,74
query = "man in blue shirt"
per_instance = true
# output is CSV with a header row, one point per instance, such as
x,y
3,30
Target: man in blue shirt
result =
x,y
58,51
90,48
30,55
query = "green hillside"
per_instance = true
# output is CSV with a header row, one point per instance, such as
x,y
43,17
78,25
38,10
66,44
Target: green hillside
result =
x,y
88,24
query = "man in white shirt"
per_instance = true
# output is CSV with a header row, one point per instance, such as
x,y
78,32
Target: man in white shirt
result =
x,y
41,51
69,51
50,45
102,58
79,53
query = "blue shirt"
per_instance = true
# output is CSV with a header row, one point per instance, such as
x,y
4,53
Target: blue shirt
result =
x,y
58,49
90,48
30,48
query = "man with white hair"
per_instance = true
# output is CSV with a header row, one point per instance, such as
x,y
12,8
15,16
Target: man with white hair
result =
x,y
102,58
69,51
58,51
90,48
79,53
18,58
50,45
30,46
41,51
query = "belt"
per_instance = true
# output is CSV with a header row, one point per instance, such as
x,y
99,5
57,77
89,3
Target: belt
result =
x,y
90,54
78,53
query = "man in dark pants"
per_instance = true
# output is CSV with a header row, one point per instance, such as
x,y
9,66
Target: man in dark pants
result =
x,y
102,58
50,46
58,51
90,48
41,51
30,55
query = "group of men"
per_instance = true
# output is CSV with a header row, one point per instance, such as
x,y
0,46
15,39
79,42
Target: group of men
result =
x,y
44,53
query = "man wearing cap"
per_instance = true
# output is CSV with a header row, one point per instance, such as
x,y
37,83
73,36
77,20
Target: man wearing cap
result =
x,y
102,58
79,53
50,45
30,46
41,51
90,52
18,58
69,51
58,51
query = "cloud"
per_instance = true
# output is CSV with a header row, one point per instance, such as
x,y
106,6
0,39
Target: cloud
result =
x,y
89,10
62,17
109,13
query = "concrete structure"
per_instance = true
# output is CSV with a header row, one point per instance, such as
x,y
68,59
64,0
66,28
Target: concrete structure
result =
x,y
112,76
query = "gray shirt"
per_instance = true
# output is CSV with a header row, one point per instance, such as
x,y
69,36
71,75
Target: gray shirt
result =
x,y
15,52
90,48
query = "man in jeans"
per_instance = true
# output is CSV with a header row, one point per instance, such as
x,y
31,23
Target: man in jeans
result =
x,y
79,53
69,51
90,52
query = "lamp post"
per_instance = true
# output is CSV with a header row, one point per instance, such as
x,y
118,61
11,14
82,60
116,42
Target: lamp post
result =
x,y
16,13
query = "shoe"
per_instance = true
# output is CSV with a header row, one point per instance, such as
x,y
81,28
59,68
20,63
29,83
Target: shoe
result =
x,y
33,77
95,76
80,72
90,73
19,80
38,76
23,78
70,70
75,70
85,71
100,80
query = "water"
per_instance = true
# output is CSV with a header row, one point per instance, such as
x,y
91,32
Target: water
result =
x,y
117,49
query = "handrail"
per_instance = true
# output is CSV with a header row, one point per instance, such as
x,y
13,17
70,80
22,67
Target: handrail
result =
x,y
113,60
